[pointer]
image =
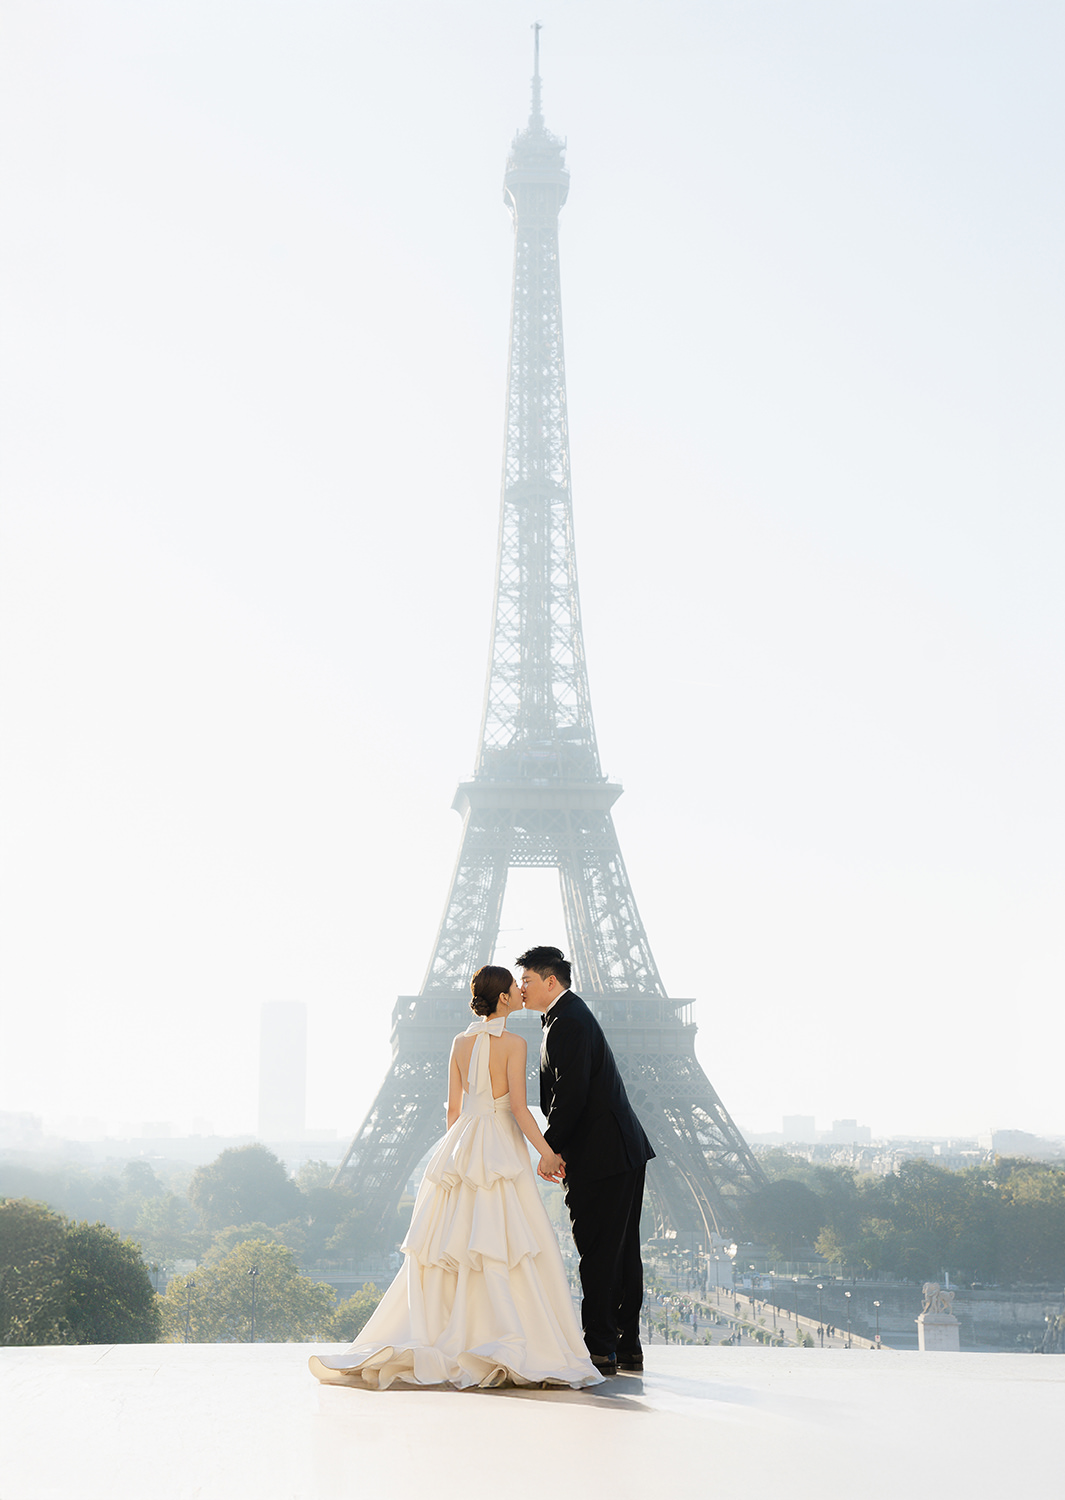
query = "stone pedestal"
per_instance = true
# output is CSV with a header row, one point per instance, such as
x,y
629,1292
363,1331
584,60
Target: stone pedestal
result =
x,y
938,1333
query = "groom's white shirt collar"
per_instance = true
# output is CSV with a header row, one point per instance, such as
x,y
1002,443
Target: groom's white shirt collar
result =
x,y
555,1001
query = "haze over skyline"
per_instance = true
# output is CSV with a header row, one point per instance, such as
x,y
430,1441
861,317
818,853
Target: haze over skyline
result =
x,y
256,295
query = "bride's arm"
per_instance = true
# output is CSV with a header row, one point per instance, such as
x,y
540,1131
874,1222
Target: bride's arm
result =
x,y
551,1163
454,1087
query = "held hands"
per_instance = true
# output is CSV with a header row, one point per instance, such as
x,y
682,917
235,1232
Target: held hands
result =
x,y
551,1168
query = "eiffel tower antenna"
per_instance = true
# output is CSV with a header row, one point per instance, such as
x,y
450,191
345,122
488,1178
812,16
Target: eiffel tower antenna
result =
x,y
536,113
538,796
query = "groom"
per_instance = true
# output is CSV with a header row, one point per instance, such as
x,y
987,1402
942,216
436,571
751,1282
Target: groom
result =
x,y
591,1125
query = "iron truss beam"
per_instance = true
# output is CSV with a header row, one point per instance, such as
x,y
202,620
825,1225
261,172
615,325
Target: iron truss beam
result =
x,y
538,797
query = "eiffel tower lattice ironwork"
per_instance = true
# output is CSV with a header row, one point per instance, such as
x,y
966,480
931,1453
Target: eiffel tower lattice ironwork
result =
x,y
539,798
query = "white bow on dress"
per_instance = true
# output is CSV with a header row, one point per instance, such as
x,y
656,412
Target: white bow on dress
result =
x,y
480,1079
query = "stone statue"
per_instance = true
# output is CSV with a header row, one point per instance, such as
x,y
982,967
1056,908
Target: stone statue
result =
x,y
936,1300
937,1327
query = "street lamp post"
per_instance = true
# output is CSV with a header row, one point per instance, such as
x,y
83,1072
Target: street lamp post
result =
x,y
848,1297
731,1253
190,1287
254,1274
876,1304
820,1314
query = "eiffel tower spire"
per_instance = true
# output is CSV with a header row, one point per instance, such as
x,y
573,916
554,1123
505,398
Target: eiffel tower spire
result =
x,y
536,114
538,796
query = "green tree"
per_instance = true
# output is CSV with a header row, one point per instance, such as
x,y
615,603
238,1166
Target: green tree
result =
x,y
839,1240
289,1308
138,1185
1004,1223
804,1202
109,1297
357,1236
227,1240
323,1209
243,1185
353,1238
167,1229
785,1214
71,1190
32,1274
354,1312
139,1179
64,1283
779,1165
315,1174
1032,1198
911,1220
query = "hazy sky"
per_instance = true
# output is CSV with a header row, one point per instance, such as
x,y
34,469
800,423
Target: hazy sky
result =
x,y
256,272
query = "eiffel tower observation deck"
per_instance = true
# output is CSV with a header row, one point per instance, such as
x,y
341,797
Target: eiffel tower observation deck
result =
x,y
538,797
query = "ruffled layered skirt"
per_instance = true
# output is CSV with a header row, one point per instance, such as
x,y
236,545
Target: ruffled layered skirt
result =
x,y
482,1297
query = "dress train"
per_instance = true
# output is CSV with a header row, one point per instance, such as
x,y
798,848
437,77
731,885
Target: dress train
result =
x,y
482,1296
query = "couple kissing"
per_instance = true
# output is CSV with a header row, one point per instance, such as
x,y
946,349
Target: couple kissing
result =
x,y
482,1296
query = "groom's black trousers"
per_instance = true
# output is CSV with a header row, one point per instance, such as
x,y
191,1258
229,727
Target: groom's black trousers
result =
x,y
605,1218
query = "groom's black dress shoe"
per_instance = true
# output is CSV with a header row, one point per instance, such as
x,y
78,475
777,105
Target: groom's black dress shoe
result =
x,y
630,1364
604,1366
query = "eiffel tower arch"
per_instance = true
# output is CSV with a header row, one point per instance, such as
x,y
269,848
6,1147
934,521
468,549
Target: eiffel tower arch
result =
x,y
538,797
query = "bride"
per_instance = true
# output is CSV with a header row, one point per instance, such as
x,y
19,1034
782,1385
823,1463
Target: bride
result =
x,y
482,1297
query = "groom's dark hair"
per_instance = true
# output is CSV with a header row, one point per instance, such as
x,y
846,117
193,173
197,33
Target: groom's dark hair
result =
x,y
545,961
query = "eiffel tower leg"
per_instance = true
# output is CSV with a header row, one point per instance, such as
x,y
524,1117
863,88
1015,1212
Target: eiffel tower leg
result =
x,y
470,924
602,922
408,1115
704,1168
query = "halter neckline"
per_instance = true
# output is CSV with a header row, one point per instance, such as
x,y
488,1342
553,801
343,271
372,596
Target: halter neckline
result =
x,y
493,1025
480,1079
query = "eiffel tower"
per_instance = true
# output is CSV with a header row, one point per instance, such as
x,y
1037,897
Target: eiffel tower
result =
x,y
539,798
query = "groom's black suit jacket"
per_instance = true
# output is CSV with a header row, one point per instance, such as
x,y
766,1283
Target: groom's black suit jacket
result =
x,y
590,1122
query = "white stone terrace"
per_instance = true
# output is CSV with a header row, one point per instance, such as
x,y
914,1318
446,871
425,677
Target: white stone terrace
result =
x,y
210,1422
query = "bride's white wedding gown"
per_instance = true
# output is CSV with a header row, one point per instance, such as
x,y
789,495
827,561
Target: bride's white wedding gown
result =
x,y
482,1297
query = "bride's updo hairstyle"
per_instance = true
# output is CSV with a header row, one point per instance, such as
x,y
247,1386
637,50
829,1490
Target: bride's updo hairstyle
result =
x,y
486,987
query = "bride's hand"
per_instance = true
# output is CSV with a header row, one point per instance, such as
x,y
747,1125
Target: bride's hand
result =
x,y
552,1167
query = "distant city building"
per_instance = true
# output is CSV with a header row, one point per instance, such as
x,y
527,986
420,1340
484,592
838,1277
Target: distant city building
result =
x,y
1021,1143
848,1133
189,1150
800,1128
282,1070
19,1130
882,1157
